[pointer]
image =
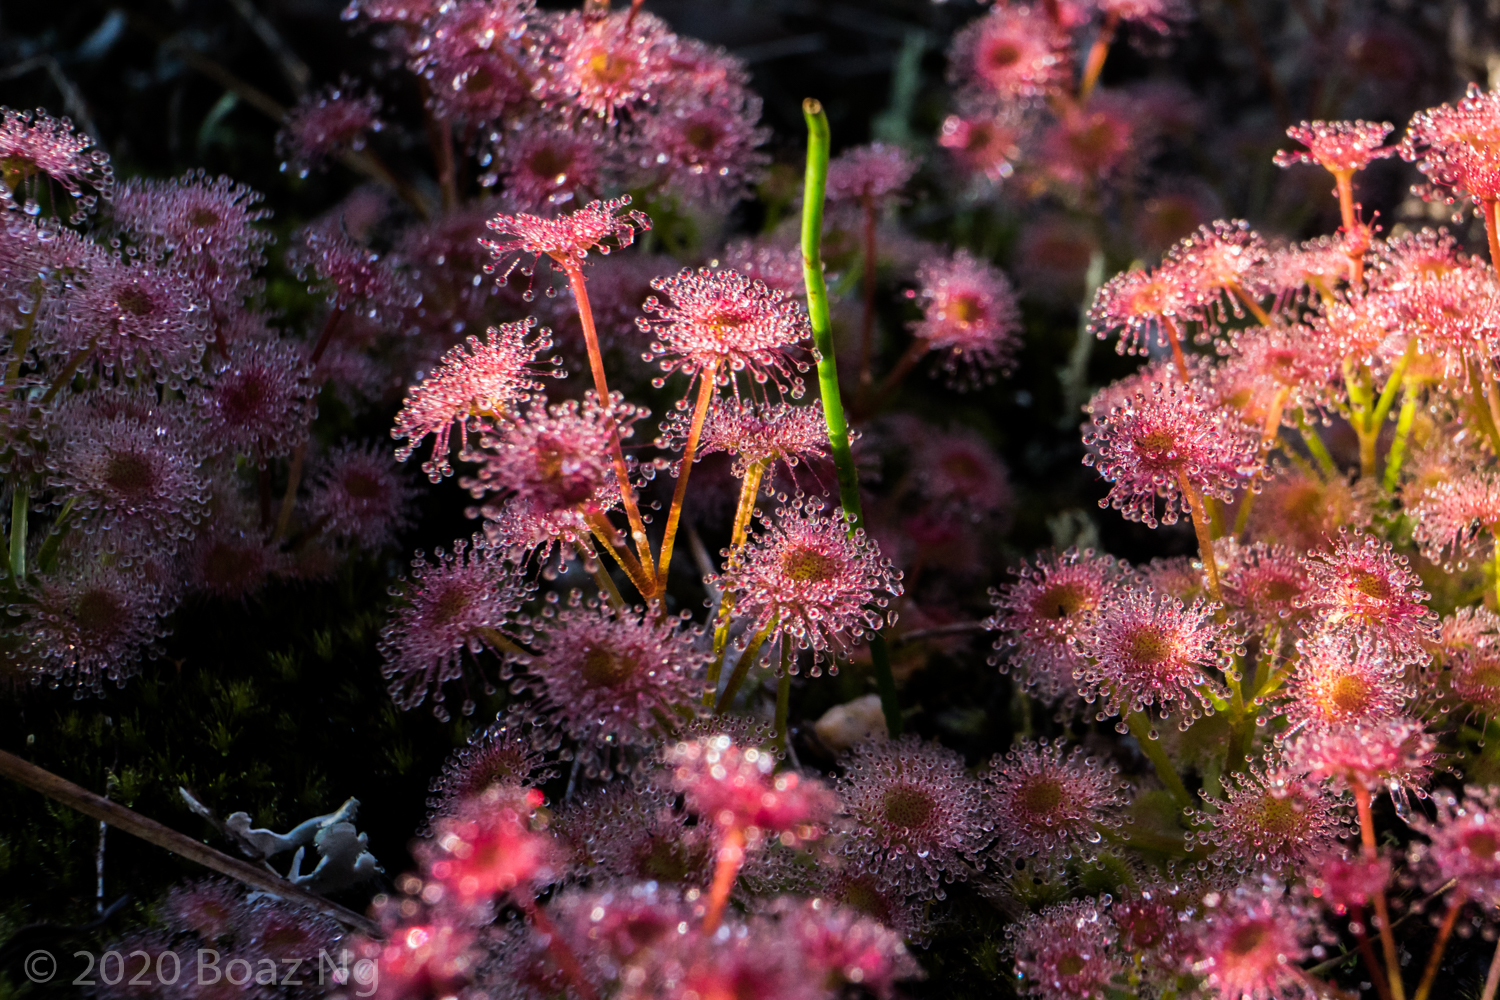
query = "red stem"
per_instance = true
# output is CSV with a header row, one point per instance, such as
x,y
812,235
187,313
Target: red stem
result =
x,y
1382,911
263,489
1272,427
1492,980
1205,537
731,856
440,141
700,412
289,499
918,349
1098,52
1455,903
326,337
1367,953
601,388
1344,179
615,545
1488,209
1170,326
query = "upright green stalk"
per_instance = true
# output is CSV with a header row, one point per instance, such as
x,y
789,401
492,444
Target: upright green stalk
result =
x,y
828,372
21,341
1497,569
1393,384
1140,728
749,487
817,305
20,504
46,556
1316,446
1403,434
605,582
742,667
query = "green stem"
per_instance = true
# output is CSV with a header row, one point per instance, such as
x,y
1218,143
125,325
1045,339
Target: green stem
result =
x,y
749,487
498,640
1373,411
746,661
1397,453
1360,396
1241,729
1497,569
721,644
817,308
20,343
1492,402
1242,516
1388,394
604,581
1242,722
1367,439
66,375
1316,446
1361,401
1074,377
46,556
1140,728
1273,683
20,504
828,373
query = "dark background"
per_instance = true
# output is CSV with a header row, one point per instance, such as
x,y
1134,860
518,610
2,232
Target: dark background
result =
x,y
276,706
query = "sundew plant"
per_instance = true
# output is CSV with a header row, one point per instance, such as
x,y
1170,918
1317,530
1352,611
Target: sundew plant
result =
x,y
649,520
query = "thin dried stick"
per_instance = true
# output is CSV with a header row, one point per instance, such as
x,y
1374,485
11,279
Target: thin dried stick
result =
x,y
98,807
